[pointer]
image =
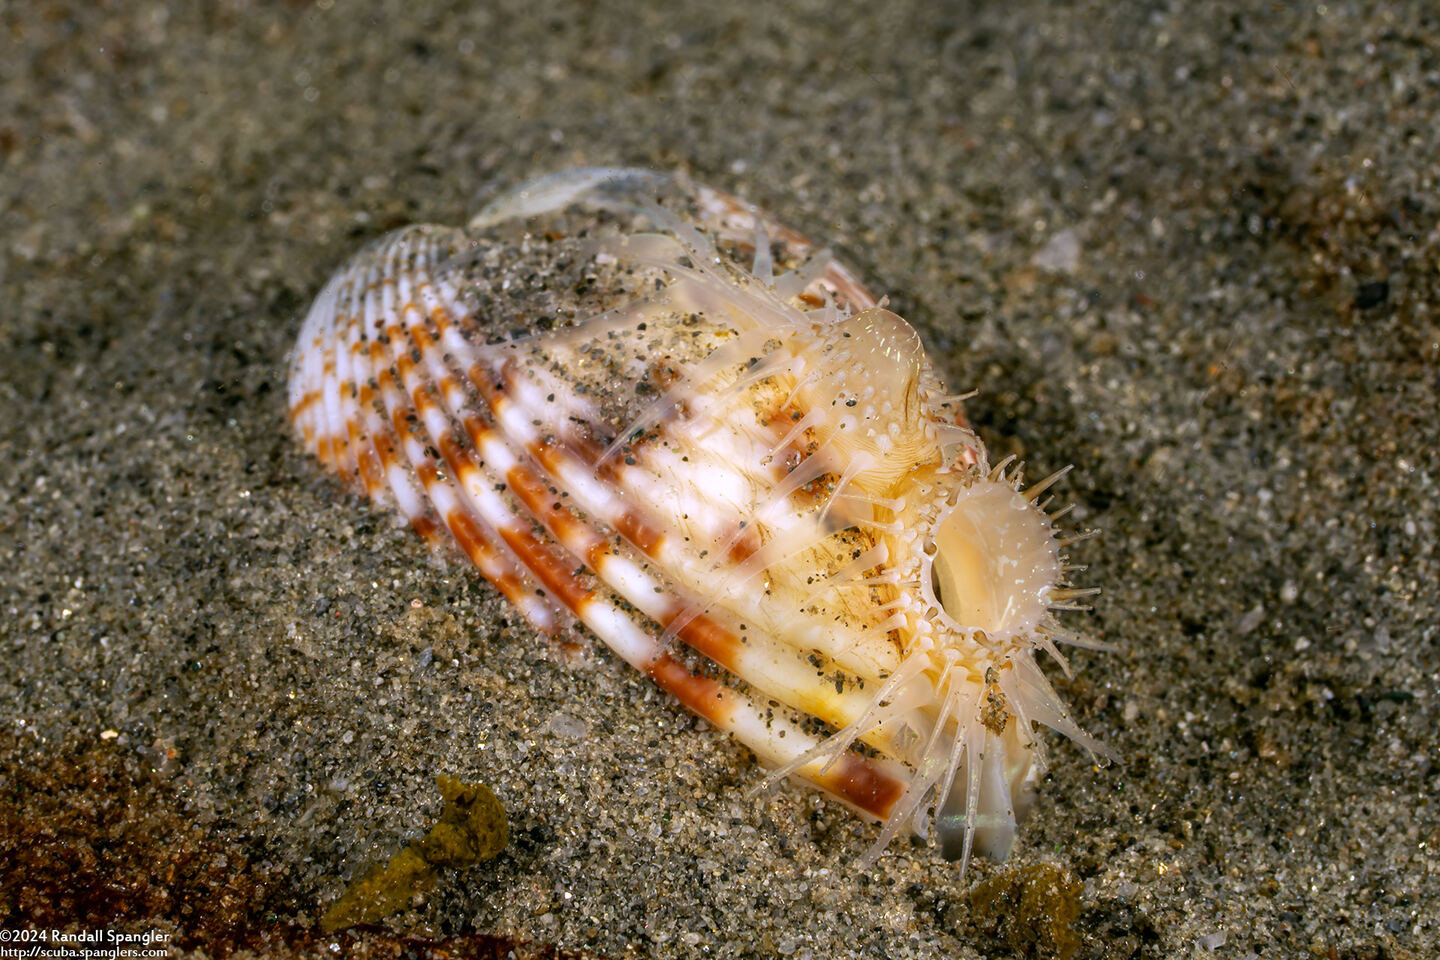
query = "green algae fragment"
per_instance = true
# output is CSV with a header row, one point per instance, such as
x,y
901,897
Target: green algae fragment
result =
x,y
1033,909
472,828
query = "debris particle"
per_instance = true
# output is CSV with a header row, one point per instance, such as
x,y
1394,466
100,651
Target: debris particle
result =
x,y
472,828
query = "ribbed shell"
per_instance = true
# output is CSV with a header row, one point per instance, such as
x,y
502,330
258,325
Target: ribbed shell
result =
x,y
637,402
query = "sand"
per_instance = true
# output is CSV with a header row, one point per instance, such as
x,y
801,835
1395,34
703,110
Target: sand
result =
x,y
1190,248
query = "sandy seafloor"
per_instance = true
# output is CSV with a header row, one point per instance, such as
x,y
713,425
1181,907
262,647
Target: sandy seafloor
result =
x,y
1190,247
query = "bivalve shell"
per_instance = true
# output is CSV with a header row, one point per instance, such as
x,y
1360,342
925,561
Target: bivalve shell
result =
x,y
637,403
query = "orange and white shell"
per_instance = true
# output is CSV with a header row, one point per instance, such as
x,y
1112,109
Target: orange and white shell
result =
x,y
636,402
